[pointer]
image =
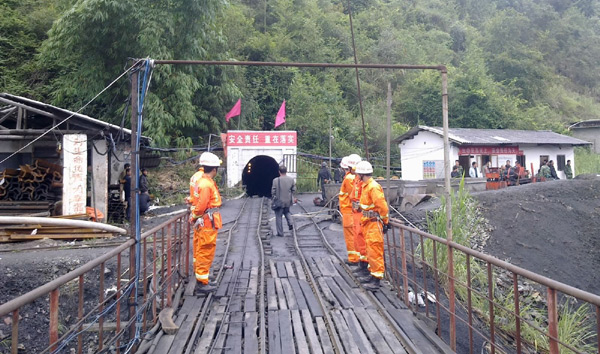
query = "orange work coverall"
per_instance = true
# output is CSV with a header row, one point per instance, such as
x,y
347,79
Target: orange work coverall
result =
x,y
205,200
347,220
373,199
359,237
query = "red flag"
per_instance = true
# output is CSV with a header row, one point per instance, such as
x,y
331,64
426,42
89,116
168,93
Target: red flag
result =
x,y
280,119
235,111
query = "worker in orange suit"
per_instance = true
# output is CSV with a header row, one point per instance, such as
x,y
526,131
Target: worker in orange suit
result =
x,y
205,217
359,238
346,210
375,219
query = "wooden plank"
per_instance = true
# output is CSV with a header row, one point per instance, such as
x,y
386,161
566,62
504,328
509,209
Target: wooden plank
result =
x,y
250,333
406,320
191,286
253,284
281,272
311,334
329,265
312,265
166,341
285,330
357,332
222,289
289,270
346,337
250,303
322,268
367,303
233,343
280,295
289,294
339,294
394,300
372,332
384,300
210,328
299,296
311,299
273,269
271,294
327,294
299,270
350,293
274,336
220,340
324,335
191,307
342,272
385,331
301,342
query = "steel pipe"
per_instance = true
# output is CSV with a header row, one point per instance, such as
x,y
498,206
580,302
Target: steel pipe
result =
x,y
12,220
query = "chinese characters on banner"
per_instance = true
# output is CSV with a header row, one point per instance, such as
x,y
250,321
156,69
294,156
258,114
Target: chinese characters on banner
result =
x,y
74,173
253,138
489,150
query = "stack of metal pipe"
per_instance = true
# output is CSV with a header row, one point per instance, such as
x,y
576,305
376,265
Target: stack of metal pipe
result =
x,y
40,182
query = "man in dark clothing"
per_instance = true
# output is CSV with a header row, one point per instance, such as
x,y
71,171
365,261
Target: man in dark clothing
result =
x,y
144,203
552,170
323,178
144,181
283,189
338,174
568,170
127,190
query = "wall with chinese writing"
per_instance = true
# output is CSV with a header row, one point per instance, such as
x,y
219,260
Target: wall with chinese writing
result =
x,y
74,173
243,145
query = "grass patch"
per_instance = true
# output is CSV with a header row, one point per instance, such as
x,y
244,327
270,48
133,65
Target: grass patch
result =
x,y
586,161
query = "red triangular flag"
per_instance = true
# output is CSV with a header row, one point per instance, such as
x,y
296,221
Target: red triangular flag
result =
x,y
280,119
235,111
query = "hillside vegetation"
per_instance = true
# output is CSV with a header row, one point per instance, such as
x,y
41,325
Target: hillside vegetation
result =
x,y
524,64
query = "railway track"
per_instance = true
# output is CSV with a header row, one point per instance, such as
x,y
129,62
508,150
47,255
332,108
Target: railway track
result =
x,y
289,295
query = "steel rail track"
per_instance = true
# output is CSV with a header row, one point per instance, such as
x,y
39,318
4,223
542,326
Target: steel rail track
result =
x,y
404,339
201,320
235,279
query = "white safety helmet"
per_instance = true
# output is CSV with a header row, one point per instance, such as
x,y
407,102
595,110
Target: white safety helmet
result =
x,y
209,159
353,160
344,163
364,168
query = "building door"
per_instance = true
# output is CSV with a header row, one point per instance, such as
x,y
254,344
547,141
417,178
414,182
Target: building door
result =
x,y
465,162
522,161
542,159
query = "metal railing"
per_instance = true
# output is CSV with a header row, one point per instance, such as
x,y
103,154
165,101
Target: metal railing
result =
x,y
116,320
494,310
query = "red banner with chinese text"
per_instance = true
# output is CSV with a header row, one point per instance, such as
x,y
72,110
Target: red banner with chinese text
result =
x,y
489,150
254,138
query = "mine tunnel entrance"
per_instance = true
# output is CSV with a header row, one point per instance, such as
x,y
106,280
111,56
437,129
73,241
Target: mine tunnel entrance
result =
x,y
258,175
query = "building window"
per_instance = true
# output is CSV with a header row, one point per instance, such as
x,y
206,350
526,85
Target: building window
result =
x,y
522,161
560,162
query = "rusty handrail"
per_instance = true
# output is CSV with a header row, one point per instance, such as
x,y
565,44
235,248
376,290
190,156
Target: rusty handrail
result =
x,y
36,293
564,288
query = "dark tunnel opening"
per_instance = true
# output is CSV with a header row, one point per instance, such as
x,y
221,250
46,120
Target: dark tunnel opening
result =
x,y
258,175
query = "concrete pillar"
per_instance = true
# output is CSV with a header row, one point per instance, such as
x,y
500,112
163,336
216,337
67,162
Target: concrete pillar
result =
x,y
100,173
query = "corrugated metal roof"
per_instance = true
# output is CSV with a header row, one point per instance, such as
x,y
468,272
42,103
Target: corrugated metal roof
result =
x,y
470,136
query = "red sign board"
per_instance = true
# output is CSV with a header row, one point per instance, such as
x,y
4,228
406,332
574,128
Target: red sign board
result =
x,y
489,150
254,138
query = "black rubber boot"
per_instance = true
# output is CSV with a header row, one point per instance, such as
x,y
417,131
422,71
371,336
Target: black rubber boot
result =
x,y
362,270
205,288
373,285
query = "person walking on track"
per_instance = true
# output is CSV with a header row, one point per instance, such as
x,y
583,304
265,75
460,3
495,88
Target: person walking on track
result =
x,y
282,190
323,178
205,202
375,218
346,210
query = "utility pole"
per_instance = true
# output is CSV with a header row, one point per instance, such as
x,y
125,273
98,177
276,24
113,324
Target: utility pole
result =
x,y
134,189
389,137
330,138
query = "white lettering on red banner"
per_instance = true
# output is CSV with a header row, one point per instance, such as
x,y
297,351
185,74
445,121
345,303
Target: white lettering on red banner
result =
x,y
489,150
288,138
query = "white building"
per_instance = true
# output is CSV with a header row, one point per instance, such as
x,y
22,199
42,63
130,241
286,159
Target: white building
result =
x,y
422,149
